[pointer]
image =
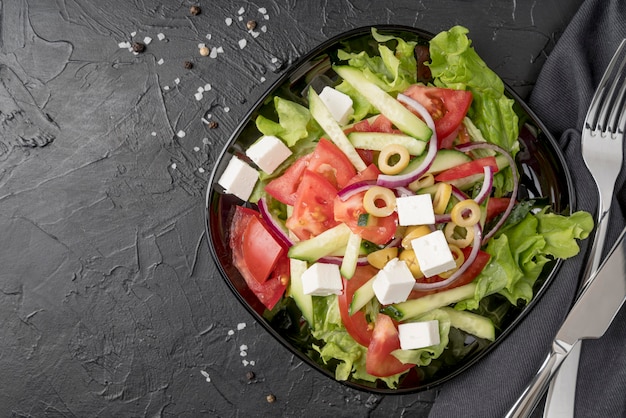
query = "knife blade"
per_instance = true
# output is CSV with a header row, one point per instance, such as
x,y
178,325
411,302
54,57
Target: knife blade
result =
x,y
589,318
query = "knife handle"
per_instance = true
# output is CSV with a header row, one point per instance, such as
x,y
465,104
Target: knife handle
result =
x,y
527,402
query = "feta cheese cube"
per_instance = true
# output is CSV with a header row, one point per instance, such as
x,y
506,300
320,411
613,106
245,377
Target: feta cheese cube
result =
x,y
415,210
393,283
339,104
238,178
268,153
433,253
322,279
418,334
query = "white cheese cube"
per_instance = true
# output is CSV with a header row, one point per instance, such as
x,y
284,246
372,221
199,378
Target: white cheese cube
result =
x,y
238,178
322,279
418,334
339,104
415,210
393,283
433,253
268,153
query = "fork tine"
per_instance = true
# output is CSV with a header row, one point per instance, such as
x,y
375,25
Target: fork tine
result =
x,y
616,118
613,102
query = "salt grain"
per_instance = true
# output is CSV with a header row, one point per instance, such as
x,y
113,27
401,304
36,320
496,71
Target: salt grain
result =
x,y
228,21
274,60
262,79
160,36
200,170
201,45
242,43
206,375
241,11
205,141
181,134
166,88
213,53
245,362
254,34
220,49
208,36
153,134
198,96
200,89
124,45
241,326
133,33
230,331
243,347
147,40
227,109
160,62
207,87
177,81
240,18
262,10
263,28
173,166
252,362
243,353
196,149
266,17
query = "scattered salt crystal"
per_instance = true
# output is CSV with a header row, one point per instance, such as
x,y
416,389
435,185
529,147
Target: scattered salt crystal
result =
x,y
263,28
220,49
147,40
206,375
133,33
200,89
241,11
153,134
160,62
209,115
207,87
181,134
254,34
227,109
252,363
230,331
241,326
228,21
160,36
177,81
173,166
240,18
208,36
201,170
124,45
266,17
201,45
198,96
196,149
274,60
243,353
262,79
262,10
242,43
205,141
166,88
135,53
243,347
245,362
204,120
213,53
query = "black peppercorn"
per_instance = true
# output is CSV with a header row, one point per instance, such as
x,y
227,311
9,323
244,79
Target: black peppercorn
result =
x,y
194,10
251,25
139,47
250,375
188,65
213,124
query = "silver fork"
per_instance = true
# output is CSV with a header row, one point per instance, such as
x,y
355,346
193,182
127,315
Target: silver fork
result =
x,y
602,143
602,149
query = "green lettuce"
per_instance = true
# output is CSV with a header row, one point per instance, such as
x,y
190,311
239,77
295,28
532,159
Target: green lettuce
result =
x,y
423,356
294,122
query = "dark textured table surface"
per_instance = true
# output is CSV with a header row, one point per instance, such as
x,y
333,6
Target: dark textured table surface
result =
x,y
110,304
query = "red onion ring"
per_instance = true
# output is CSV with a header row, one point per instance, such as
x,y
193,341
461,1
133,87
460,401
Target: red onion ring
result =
x,y
485,190
458,194
474,145
403,191
400,180
338,260
468,262
354,188
273,224
443,219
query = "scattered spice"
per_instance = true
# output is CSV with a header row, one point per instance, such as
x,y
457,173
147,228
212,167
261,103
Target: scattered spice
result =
x,y
188,65
271,398
194,10
213,124
204,51
250,375
138,47
251,25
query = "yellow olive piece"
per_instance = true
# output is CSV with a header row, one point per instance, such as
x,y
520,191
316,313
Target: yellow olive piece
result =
x,y
442,197
466,213
393,151
379,258
379,195
408,256
460,236
459,259
412,233
426,180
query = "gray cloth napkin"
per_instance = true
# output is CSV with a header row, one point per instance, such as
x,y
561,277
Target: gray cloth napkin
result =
x,y
560,98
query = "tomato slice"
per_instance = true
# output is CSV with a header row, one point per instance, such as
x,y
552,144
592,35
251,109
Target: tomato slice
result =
x,y
482,258
378,230
261,251
385,339
356,324
371,172
284,188
382,124
329,161
496,205
313,208
447,107
269,292
468,169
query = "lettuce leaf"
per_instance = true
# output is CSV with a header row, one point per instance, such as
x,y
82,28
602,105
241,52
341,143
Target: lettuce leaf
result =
x,y
423,356
294,122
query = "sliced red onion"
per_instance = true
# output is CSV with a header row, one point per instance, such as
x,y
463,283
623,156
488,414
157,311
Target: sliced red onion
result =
x,y
354,188
468,262
474,145
401,180
403,191
443,219
273,224
459,194
485,190
331,259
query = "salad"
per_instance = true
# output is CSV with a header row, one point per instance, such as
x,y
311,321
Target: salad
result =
x,y
385,206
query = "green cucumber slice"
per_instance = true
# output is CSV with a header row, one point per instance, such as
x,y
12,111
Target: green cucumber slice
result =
x,y
471,323
378,140
322,245
304,302
361,296
351,257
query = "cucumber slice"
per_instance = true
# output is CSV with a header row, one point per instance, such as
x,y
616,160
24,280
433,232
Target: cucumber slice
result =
x,y
378,140
361,296
412,308
304,302
322,115
444,160
351,257
471,323
395,111
324,244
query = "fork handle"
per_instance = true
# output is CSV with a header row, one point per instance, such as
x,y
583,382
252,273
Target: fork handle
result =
x,y
596,248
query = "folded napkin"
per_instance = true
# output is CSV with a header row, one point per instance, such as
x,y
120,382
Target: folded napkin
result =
x,y
560,98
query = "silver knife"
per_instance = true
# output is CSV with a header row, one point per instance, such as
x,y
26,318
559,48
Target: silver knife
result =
x,y
599,302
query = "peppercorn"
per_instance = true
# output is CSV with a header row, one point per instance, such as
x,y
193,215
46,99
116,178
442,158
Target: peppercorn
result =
x,y
188,65
271,398
251,25
194,10
250,375
204,51
139,47
212,124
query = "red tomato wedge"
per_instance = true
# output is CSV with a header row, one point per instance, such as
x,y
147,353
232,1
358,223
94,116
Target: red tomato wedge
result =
x,y
468,169
496,205
269,292
329,161
382,124
378,230
385,339
260,249
284,188
371,172
356,324
482,258
447,107
313,208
